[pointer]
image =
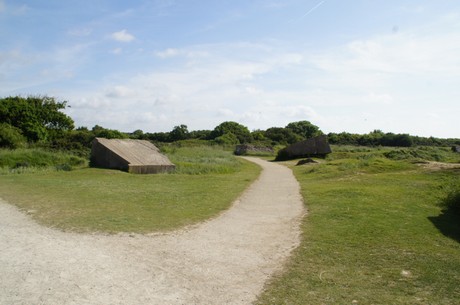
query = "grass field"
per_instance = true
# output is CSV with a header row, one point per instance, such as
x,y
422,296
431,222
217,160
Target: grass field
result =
x,y
375,234
89,199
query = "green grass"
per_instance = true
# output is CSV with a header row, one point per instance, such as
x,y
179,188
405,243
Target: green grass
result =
x,y
89,199
37,159
375,234
199,160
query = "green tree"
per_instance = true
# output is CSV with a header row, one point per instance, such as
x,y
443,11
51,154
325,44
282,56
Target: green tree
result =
x,y
284,136
38,118
158,136
343,138
179,133
258,135
227,139
137,134
200,134
304,129
241,132
102,132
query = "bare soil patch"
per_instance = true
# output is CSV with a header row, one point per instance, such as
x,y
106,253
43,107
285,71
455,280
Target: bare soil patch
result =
x,y
225,260
432,165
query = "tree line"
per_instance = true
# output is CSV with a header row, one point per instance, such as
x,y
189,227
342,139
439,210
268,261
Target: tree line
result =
x,y
39,121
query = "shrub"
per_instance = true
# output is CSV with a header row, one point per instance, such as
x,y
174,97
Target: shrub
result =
x,y
452,202
227,139
11,137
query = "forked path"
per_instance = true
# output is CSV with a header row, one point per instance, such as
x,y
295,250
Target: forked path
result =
x,y
225,260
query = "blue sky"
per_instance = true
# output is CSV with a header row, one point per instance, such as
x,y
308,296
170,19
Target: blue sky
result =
x,y
350,66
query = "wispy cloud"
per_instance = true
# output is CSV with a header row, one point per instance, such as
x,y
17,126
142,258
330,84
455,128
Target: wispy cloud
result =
x,y
122,36
312,9
170,52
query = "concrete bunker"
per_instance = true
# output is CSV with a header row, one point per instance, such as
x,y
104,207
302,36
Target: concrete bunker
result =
x,y
133,156
313,147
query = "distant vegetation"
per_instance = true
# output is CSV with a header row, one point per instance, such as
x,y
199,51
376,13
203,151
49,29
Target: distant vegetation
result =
x,y
37,122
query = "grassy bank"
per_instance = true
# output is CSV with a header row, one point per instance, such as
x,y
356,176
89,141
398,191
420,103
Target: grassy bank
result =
x,y
112,201
375,234
37,159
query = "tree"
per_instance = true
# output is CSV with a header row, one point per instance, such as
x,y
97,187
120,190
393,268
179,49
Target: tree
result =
x,y
39,118
179,133
241,132
304,129
258,135
227,139
200,134
102,132
282,135
158,136
137,134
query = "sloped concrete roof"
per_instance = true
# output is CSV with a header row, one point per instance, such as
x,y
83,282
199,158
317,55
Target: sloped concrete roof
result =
x,y
135,152
134,156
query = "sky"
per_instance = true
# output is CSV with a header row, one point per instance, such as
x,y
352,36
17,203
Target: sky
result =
x,y
343,65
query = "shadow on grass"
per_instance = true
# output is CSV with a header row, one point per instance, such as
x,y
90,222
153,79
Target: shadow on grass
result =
x,y
448,222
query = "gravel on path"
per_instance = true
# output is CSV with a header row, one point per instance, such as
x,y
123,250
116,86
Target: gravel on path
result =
x,y
226,260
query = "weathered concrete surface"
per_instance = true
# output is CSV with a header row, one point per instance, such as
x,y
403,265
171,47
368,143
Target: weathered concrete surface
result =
x,y
317,146
134,156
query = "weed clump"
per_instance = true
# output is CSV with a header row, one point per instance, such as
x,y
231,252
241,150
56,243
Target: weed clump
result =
x,y
451,203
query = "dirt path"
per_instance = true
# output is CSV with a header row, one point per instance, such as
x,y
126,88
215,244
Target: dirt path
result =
x,y
226,260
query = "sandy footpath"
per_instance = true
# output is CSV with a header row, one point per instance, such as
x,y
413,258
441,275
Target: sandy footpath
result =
x,y
225,260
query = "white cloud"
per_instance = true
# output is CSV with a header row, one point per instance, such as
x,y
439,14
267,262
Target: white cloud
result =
x,y
225,112
378,99
122,36
116,51
431,49
369,83
168,53
119,92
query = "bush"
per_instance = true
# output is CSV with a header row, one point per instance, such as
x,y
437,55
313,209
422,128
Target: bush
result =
x,y
11,137
452,202
227,139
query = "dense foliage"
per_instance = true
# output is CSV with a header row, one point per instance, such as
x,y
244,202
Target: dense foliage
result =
x,y
39,121
11,137
38,118
379,138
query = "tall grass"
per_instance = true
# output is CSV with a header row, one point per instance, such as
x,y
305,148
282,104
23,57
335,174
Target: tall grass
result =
x,y
31,160
412,154
375,234
199,160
